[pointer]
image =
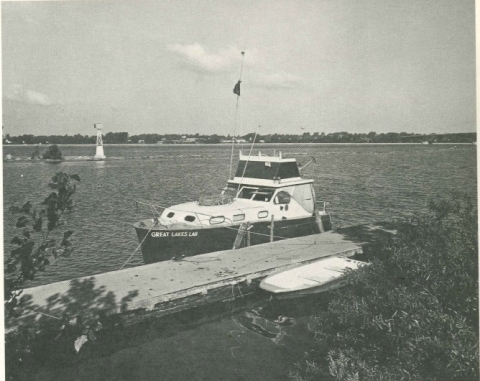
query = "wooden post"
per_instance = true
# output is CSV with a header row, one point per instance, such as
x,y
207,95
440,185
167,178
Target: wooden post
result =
x,y
319,221
271,229
240,235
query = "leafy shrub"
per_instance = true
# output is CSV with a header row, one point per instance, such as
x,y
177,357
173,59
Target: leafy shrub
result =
x,y
413,313
34,248
37,244
53,153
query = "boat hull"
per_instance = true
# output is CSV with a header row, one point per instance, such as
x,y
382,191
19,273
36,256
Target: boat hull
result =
x,y
313,278
308,292
160,244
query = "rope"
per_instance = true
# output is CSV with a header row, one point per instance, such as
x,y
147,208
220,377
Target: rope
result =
x,y
152,206
238,286
43,313
138,247
266,235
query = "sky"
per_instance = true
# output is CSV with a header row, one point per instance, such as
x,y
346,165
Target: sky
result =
x,y
170,66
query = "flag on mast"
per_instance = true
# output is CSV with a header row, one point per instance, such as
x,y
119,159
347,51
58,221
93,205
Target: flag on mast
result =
x,y
236,89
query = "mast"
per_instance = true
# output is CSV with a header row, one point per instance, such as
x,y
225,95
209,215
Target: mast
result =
x,y
236,90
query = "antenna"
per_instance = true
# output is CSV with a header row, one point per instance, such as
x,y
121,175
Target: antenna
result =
x,y
99,155
310,162
236,90
248,158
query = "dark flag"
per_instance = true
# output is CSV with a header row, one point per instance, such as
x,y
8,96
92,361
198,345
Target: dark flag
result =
x,y
236,89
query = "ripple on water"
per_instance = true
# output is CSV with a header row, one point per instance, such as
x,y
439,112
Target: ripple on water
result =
x,y
362,184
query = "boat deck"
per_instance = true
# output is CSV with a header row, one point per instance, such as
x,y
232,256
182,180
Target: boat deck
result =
x,y
166,287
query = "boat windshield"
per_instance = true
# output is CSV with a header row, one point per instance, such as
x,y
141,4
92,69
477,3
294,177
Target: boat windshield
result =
x,y
247,192
229,191
256,194
263,194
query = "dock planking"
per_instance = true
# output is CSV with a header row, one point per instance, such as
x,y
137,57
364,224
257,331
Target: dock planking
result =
x,y
166,287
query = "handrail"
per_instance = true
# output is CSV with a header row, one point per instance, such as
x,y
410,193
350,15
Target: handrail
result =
x,y
325,203
198,214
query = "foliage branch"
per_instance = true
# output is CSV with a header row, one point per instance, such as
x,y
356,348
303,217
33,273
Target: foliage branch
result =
x,y
34,247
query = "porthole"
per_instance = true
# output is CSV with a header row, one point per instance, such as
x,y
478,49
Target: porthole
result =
x,y
263,214
217,220
189,218
282,197
170,215
238,217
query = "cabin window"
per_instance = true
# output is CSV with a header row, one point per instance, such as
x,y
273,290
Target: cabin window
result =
x,y
288,170
189,218
238,217
217,220
229,191
263,194
263,214
303,194
170,215
282,197
247,192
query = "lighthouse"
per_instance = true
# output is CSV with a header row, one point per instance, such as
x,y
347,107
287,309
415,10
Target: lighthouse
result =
x,y
99,155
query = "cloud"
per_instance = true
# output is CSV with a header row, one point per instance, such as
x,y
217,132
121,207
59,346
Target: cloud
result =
x,y
277,80
17,92
195,57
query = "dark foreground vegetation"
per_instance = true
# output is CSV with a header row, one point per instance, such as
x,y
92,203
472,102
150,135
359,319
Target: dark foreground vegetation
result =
x,y
39,242
307,137
413,313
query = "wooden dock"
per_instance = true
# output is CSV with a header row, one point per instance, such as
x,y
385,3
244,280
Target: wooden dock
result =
x,y
166,287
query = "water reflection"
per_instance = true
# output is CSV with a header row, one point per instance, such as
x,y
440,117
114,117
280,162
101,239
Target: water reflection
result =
x,y
271,329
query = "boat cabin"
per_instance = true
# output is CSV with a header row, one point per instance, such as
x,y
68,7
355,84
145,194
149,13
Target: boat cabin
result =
x,y
271,179
262,186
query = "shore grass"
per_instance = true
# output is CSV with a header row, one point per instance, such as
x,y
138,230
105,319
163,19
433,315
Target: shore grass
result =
x,y
412,314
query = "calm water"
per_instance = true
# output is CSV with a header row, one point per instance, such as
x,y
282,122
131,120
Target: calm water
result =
x,y
362,183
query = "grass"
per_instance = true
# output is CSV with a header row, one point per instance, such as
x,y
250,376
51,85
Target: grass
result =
x,y
412,314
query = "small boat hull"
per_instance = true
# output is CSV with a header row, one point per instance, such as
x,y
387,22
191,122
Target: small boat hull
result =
x,y
321,276
161,244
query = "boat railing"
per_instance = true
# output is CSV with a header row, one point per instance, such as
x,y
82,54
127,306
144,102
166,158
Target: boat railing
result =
x,y
323,205
152,207
227,219
158,209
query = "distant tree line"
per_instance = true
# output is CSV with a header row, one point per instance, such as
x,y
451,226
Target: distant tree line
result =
x,y
307,137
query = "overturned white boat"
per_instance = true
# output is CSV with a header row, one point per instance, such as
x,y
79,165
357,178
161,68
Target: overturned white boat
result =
x,y
323,275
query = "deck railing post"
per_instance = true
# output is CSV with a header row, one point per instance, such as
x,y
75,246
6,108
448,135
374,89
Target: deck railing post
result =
x,y
271,229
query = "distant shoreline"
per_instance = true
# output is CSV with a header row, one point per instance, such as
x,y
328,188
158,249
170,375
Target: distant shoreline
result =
x,y
229,144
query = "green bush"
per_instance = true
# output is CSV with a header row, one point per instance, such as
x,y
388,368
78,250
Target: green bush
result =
x,y
53,153
413,313
39,242
33,247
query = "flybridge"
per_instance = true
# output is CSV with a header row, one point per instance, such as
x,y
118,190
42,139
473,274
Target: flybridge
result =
x,y
274,168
